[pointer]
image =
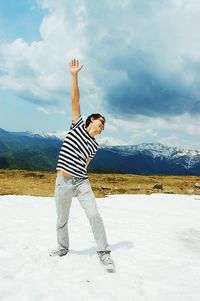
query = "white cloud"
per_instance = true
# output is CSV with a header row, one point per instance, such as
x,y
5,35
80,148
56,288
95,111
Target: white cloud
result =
x,y
166,30
111,141
43,110
30,71
50,110
183,142
39,70
182,131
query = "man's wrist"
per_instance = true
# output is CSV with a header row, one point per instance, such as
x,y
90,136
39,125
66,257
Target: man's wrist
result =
x,y
75,75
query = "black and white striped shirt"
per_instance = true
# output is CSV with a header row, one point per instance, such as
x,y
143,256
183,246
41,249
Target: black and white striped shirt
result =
x,y
77,147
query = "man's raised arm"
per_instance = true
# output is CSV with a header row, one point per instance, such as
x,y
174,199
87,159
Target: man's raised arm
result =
x,y
74,69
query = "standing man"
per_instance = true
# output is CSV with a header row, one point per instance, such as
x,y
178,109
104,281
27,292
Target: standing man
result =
x,y
78,149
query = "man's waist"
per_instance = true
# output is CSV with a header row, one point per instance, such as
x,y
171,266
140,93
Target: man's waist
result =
x,y
64,173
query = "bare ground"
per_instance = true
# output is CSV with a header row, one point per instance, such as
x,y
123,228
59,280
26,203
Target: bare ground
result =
x,y
20,182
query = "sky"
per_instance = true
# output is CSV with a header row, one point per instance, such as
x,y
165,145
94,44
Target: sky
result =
x,y
141,67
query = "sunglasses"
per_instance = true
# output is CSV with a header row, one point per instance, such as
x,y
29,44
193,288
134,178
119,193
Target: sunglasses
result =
x,y
102,121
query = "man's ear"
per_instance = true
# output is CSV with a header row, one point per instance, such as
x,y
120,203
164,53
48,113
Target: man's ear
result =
x,y
92,119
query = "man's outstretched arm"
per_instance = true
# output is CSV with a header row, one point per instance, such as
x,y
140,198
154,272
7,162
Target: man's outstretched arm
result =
x,y
74,69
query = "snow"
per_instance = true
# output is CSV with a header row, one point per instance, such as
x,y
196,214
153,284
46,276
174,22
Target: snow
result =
x,y
59,135
155,150
155,243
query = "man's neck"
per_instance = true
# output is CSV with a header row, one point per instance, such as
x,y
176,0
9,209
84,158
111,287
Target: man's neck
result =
x,y
91,132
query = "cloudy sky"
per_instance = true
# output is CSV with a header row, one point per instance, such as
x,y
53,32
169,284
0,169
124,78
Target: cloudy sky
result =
x,y
141,67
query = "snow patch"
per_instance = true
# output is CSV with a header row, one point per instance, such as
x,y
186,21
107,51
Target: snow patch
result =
x,y
155,243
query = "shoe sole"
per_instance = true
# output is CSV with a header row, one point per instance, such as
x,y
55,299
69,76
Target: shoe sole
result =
x,y
109,267
52,254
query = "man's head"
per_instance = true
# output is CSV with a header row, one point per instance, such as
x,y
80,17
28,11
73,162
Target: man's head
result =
x,y
96,122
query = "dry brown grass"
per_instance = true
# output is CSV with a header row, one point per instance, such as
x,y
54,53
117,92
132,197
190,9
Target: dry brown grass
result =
x,y
20,182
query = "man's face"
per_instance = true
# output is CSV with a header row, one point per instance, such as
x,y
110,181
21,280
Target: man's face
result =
x,y
99,124
102,123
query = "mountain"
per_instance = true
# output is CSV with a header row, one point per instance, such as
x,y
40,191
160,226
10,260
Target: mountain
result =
x,y
25,150
149,158
39,151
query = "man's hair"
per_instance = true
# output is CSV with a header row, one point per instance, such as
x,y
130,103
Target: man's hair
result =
x,y
95,116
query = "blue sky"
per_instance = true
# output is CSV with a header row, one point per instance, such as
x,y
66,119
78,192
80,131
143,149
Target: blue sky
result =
x,y
141,67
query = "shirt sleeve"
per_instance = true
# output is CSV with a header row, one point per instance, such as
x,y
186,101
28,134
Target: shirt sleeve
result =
x,y
92,155
76,123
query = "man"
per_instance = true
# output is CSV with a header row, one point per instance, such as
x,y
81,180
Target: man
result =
x,y
78,148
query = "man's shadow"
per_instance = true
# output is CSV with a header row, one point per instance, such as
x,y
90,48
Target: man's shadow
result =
x,y
93,250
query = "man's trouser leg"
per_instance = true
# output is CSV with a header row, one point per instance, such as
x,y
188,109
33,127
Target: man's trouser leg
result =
x,y
63,198
87,200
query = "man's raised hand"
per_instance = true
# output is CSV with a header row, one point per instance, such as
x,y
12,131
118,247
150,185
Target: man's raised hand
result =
x,y
74,66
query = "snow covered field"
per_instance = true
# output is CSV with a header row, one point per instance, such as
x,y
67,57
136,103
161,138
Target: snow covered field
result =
x,y
155,243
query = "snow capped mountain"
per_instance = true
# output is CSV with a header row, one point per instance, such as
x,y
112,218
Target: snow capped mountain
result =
x,y
159,155
22,149
153,149
52,135
59,135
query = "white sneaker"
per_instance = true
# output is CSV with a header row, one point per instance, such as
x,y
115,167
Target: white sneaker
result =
x,y
61,252
105,258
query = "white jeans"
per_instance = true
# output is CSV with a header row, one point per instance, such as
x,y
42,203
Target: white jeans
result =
x,y
65,188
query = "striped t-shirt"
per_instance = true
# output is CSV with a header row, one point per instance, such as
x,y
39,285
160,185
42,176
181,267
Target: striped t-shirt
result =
x,y
77,147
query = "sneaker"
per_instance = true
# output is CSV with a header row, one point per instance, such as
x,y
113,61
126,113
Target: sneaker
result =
x,y
105,258
61,252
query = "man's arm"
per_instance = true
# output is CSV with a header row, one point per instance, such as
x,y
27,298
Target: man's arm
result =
x,y
74,69
88,161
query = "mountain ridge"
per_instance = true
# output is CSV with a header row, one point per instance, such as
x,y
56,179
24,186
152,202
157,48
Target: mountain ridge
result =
x,y
40,151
